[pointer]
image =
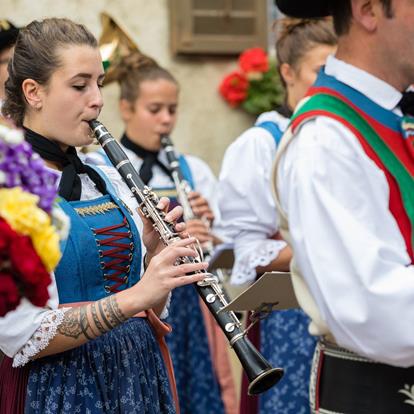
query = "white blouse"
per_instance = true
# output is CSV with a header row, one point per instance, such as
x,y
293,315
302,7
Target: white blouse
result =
x,y
346,242
247,209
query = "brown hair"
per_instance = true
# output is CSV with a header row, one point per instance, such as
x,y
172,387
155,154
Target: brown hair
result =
x,y
36,56
297,36
135,69
342,14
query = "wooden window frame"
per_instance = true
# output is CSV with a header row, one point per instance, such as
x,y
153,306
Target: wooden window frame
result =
x,y
185,41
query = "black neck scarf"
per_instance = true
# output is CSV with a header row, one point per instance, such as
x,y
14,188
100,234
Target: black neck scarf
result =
x,y
70,186
149,159
284,110
406,103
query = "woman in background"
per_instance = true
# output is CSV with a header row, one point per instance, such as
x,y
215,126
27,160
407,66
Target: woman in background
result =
x,y
8,36
98,353
148,106
249,216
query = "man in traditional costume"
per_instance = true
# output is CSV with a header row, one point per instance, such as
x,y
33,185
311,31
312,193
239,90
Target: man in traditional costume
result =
x,y
345,195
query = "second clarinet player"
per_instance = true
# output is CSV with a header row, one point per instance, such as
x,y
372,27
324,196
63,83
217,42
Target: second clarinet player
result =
x,y
260,373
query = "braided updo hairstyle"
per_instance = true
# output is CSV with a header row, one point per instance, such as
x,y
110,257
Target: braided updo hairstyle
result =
x,y
36,57
135,69
296,37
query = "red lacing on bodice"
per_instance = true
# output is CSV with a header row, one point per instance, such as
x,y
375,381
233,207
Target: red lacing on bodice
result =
x,y
118,255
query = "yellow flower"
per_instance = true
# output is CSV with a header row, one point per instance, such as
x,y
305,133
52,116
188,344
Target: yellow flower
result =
x,y
46,243
21,212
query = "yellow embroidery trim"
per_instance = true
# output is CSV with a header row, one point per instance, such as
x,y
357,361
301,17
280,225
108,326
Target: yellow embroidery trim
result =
x,y
98,209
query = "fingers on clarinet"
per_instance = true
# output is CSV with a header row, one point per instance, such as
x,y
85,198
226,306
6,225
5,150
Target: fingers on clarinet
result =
x,y
188,268
174,214
188,279
178,252
179,227
184,242
199,204
163,203
185,235
193,194
204,238
140,214
204,212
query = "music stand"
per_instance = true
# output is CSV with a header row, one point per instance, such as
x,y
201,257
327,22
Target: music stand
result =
x,y
272,291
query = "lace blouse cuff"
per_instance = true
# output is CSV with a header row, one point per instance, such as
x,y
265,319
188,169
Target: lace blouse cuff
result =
x,y
261,254
41,338
165,313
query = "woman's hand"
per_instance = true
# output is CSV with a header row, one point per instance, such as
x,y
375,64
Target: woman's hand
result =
x,y
199,229
150,236
164,274
200,206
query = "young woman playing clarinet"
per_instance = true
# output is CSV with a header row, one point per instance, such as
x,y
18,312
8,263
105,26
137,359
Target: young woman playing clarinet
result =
x,y
97,351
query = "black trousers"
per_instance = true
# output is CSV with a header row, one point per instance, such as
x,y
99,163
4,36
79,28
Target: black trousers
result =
x,y
345,383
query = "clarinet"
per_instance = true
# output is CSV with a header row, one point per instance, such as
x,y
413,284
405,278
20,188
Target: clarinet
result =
x,y
181,184
183,190
260,373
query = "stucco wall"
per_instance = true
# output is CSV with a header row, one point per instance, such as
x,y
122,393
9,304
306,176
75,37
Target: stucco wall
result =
x,y
206,125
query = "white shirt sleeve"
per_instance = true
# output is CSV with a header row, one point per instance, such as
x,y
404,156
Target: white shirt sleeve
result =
x,y
346,242
248,213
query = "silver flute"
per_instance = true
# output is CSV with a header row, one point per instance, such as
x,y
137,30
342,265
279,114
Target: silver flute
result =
x,y
260,373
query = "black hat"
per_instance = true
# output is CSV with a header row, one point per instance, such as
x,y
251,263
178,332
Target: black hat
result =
x,y
305,8
8,34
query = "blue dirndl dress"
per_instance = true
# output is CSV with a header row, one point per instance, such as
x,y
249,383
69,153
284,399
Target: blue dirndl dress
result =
x,y
286,342
121,371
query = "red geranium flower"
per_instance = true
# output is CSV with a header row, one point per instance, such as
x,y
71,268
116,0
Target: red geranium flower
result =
x,y
254,60
234,87
9,293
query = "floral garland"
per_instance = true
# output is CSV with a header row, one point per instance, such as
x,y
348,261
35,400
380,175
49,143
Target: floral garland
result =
x,y
30,226
255,86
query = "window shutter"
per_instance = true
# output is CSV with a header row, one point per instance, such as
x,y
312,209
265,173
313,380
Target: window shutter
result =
x,y
217,26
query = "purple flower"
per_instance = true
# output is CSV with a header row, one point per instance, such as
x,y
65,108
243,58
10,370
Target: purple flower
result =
x,y
20,166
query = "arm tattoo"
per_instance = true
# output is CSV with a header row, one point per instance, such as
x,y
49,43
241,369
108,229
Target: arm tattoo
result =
x,y
70,325
96,320
113,312
103,316
84,323
117,312
106,315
